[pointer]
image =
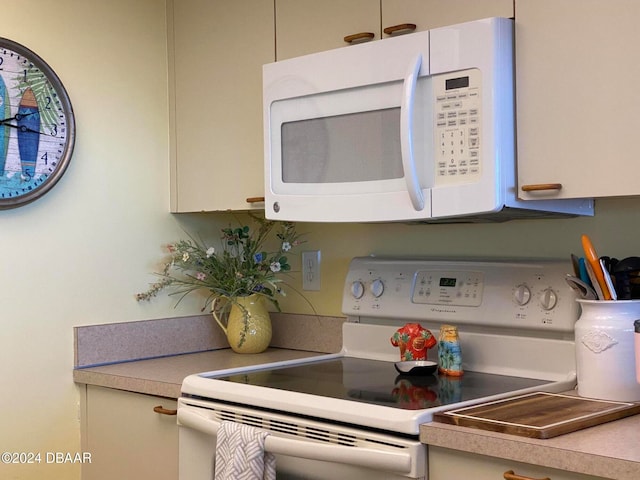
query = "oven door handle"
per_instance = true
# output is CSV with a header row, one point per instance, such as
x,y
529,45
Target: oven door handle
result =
x,y
399,462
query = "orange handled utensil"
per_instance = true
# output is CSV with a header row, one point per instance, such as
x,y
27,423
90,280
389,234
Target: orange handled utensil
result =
x,y
594,261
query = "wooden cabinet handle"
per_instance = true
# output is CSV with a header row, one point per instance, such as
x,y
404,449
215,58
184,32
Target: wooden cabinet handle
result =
x,y
509,475
255,199
536,187
359,37
402,28
164,411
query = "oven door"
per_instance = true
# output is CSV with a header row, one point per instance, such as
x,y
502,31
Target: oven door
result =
x,y
304,448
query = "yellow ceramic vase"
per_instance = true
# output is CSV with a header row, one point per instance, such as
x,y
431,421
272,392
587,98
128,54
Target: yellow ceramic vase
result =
x,y
248,328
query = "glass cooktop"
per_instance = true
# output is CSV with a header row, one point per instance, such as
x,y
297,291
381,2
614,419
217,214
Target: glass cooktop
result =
x,y
378,382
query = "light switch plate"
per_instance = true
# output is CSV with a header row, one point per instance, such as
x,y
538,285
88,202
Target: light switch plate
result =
x,y
311,270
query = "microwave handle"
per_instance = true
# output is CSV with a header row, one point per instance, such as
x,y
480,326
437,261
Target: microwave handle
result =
x,y
202,421
406,134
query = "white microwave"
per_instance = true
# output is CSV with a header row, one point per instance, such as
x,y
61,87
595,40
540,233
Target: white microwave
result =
x,y
414,128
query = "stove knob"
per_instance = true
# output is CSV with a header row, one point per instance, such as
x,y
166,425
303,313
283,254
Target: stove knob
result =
x,y
548,299
357,289
522,295
377,288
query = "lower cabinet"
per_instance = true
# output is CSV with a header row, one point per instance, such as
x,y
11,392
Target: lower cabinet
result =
x,y
447,464
126,438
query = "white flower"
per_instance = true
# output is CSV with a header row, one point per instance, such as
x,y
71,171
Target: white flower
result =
x,y
275,267
210,252
286,246
185,256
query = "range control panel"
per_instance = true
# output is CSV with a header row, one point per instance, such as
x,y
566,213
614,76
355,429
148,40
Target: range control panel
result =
x,y
527,294
448,287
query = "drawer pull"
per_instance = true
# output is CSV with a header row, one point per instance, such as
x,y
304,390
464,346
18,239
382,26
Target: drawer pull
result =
x,y
255,200
164,411
402,28
536,187
509,475
359,37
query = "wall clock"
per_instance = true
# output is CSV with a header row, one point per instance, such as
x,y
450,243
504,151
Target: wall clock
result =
x,y
37,127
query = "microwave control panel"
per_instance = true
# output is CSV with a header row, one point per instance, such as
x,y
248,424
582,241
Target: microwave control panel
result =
x,y
457,126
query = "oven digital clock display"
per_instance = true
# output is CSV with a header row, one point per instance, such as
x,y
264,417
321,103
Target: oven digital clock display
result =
x,y
447,282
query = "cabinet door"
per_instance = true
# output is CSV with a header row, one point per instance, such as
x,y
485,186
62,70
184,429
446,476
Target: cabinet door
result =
x,y
428,14
445,464
309,26
577,108
126,438
216,52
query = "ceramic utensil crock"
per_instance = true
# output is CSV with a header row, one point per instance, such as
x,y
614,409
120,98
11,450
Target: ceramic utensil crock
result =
x,y
605,352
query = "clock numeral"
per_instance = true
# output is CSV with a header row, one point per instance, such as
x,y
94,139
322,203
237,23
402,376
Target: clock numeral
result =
x,y
54,130
44,158
47,103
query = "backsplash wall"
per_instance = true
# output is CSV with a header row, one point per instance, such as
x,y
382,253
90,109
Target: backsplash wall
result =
x,y
614,230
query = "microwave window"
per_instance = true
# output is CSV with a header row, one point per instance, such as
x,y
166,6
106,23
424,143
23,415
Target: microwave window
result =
x,y
354,147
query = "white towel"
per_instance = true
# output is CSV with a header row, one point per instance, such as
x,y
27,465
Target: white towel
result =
x,y
240,453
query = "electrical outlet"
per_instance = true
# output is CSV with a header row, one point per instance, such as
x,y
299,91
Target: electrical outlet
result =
x,y
311,270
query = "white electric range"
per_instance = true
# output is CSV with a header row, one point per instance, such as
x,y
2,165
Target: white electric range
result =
x,y
351,414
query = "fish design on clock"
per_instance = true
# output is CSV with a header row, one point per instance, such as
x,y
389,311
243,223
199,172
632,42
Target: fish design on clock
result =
x,y
37,126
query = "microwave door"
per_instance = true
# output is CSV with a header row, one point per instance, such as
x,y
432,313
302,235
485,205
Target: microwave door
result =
x,y
341,159
335,154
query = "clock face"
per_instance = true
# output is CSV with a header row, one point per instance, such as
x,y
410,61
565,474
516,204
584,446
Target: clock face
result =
x,y
37,127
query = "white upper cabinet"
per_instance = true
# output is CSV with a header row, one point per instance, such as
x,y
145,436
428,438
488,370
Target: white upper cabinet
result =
x,y
216,52
577,107
309,26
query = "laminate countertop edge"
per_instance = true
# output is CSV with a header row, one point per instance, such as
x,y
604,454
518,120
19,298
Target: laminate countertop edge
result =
x,y
610,450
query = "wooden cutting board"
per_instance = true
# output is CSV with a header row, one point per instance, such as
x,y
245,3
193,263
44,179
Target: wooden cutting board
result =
x,y
539,414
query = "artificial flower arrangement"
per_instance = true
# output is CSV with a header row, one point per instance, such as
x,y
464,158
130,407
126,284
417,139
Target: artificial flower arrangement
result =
x,y
242,267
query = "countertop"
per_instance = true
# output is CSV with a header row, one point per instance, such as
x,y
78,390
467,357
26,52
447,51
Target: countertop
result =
x,y
610,450
153,356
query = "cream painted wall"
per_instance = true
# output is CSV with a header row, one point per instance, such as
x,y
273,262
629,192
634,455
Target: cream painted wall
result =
x,y
77,255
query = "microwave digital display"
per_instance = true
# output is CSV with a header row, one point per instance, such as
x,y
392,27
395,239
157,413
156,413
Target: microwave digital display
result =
x,y
460,82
